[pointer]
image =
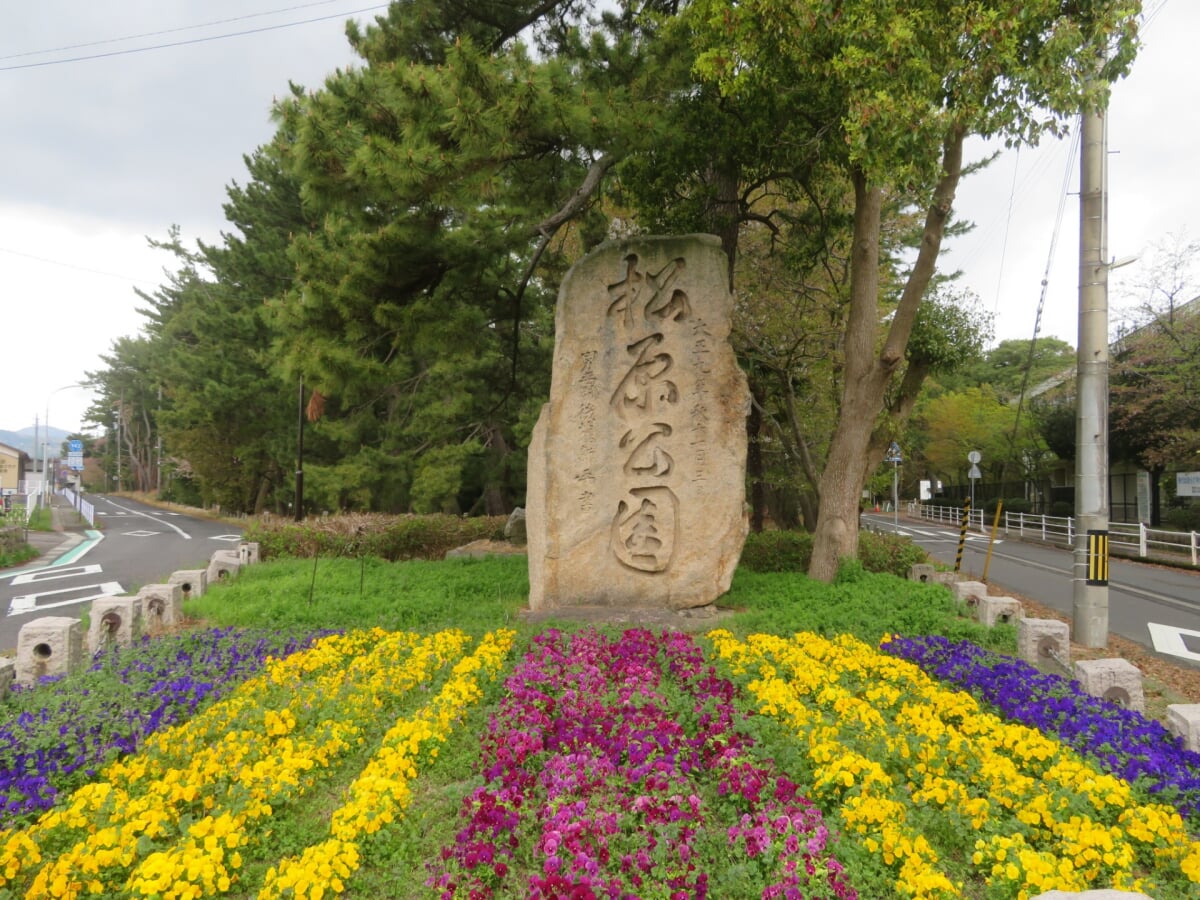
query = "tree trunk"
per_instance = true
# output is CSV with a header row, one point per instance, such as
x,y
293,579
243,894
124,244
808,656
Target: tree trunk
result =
x,y
836,536
754,460
867,373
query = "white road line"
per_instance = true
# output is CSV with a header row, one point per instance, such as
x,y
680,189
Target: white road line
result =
x,y
29,602
1168,639
137,512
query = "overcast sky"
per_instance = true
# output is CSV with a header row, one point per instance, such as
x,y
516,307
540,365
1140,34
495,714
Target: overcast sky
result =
x,y
101,153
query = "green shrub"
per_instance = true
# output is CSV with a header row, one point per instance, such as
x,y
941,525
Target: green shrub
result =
x,y
1018,505
791,551
1185,518
777,551
1062,508
385,537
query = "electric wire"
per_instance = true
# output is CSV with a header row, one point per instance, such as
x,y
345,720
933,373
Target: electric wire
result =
x,y
200,40
146,34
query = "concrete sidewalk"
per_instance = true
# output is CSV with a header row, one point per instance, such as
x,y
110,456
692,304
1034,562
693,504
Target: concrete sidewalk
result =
x,y
69,529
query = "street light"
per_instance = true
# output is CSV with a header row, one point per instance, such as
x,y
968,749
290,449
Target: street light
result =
x,y
46,491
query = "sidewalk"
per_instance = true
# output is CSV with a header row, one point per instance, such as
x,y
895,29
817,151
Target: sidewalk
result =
x,y
69,528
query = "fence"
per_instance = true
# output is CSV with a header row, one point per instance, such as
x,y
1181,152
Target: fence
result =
x,y
1135,538
86,509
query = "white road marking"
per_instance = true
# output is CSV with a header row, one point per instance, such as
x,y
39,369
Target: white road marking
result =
x,y
29,602
1168,639
51,574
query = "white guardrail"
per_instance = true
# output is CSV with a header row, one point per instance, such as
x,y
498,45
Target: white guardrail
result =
x,y
1136,538
85,509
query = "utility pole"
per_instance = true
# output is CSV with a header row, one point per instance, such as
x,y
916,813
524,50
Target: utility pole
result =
x,y
1090,570
299,513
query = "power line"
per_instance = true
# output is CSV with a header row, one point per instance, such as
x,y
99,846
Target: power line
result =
x,y
203,40
67,265
146,34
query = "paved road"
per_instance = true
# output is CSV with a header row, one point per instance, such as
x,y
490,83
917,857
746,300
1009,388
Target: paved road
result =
x,y
1154,605
132,545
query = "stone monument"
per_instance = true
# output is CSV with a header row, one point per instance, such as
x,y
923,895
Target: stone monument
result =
x,y
636,481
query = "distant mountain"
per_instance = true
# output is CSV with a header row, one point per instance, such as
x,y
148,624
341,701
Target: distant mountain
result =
x,y
26,438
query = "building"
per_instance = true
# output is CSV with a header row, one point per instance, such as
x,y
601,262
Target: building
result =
x,y
13,463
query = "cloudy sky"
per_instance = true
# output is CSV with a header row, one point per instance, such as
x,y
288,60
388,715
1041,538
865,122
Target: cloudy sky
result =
x,y
123,119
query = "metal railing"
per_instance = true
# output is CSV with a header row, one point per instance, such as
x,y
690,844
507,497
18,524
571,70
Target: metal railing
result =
x,y
1135,538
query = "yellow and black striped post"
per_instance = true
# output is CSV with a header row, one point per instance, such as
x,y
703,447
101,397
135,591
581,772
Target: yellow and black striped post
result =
x,y
962,535
1097,557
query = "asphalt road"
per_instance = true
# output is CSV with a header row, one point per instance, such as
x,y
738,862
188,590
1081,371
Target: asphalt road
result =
x,y
1155,605
133,545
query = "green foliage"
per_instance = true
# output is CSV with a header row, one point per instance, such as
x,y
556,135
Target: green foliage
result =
x,y
790,551
475,595
389,538
1185,518
865,604
776,551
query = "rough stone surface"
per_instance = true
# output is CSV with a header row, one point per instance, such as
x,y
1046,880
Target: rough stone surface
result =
x,y
636,479
970,592
51,645
1116,680
192,582
8,671
921,572
248,552
1183,721
162,606
484,547
114,620
223,565
1038,639
991,610
515,529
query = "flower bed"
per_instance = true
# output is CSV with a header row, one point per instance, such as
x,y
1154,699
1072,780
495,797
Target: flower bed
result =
x,y
944,792
64,734
616,767
172,820
1124,741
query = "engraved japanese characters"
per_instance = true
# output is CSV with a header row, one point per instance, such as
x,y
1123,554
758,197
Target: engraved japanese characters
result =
x,y
637,463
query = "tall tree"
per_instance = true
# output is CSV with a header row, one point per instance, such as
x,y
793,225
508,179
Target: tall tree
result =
x,y
894,89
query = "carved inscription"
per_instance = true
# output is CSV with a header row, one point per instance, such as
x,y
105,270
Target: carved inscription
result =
x,y
585,422
652,314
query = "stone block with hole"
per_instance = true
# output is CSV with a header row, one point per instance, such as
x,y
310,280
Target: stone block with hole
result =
x,y
248,553
52,645
1183,721
8,671
192,582
1117,680
947,579
1042,639
994,610
162,607
115,621
921,572
223,565
970,592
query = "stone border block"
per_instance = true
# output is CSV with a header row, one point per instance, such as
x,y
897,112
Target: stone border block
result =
x,y
993,610
1116,680
192,582
162,606
947,579
921,572
248,552
51,645
115,620
1183,721
224,565
1039,639
8,673
970,592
